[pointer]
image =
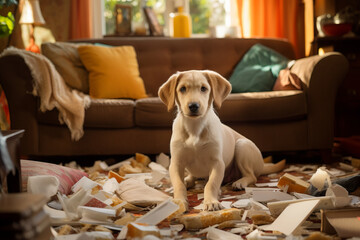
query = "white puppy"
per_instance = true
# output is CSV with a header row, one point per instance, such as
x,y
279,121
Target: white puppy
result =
x,y
200,143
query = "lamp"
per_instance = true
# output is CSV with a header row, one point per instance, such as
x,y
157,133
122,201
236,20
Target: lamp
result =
x,y
31,14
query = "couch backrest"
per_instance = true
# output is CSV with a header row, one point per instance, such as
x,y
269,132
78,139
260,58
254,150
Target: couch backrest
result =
x,y
160,57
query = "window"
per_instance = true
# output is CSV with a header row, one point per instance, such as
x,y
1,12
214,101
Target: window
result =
x,y
200,15
204,13
137,13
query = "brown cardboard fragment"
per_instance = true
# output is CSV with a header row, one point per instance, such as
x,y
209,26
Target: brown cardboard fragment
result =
x,y
345,222
261,219
206,219
140,230
295,184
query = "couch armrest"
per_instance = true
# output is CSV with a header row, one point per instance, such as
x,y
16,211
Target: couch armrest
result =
x,y
17,83
321,77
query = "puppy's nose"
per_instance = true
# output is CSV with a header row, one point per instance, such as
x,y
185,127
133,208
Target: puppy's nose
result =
x,y
194,107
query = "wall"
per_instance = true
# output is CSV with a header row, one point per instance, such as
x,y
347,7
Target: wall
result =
x,y
57,28
57,16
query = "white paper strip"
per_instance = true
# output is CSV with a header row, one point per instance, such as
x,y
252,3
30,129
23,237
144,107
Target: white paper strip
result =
x,y
92,214
217,234
292,217
84,183
159,213
43,184
271,196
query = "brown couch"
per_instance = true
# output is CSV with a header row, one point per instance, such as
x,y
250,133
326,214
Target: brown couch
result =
x,y
293,120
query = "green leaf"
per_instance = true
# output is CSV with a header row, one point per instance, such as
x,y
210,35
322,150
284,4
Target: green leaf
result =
x,y
6,25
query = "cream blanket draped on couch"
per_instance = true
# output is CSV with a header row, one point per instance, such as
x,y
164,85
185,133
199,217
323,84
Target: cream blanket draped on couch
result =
x,y
53,91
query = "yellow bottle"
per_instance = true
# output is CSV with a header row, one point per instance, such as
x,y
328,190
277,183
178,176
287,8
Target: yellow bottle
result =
x,y
181,24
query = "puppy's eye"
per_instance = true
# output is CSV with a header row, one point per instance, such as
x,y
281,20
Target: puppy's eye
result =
x,y
204,89
183,89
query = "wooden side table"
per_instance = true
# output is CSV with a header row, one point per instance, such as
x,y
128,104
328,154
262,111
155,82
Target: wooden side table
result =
x,y
347,117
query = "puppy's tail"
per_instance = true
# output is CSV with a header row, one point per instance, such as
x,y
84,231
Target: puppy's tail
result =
x,y
273,167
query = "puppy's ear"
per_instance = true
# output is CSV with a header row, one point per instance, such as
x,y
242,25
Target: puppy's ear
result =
x,y
167,91
220,87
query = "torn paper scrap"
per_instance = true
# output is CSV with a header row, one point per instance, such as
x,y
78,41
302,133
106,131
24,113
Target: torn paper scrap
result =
x,y
217,234
339,195
103,195
84,183
138,193
156,177
43,184
302,195
271,196
71,204
254,235
226,204
140,230
319,178
56,215
163,160
255,205
120,164
286,223
127,218
267,184
87,236
241,203
95,215
250,190
138,176
158,167
276,208
242,228
111,185
159,213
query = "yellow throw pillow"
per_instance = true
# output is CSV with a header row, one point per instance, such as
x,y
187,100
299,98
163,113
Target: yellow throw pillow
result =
x,y
113,72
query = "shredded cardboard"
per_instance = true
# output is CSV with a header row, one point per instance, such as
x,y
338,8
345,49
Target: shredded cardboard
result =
x,y
286,223
133,191
206,219
136,194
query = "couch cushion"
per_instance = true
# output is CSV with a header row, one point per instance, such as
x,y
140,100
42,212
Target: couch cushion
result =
x,y
239,107
257,70
102,113
66,60
113,72
264,106
152,112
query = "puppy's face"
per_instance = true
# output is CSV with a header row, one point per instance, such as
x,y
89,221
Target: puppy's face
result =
x,y
192,94
194,91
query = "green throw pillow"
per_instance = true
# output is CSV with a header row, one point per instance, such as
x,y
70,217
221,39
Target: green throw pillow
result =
x,y
258,70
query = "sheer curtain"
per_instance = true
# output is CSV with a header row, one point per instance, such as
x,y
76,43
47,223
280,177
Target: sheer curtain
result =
x,y
273,18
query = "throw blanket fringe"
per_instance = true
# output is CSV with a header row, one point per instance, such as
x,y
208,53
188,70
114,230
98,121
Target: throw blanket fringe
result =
x,y
53,91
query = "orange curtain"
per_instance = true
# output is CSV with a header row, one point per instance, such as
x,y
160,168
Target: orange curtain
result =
x,y
272,18
81,19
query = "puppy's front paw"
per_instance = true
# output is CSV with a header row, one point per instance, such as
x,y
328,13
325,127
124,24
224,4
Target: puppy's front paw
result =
x,y
182,203
182,208
242,183
212,205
